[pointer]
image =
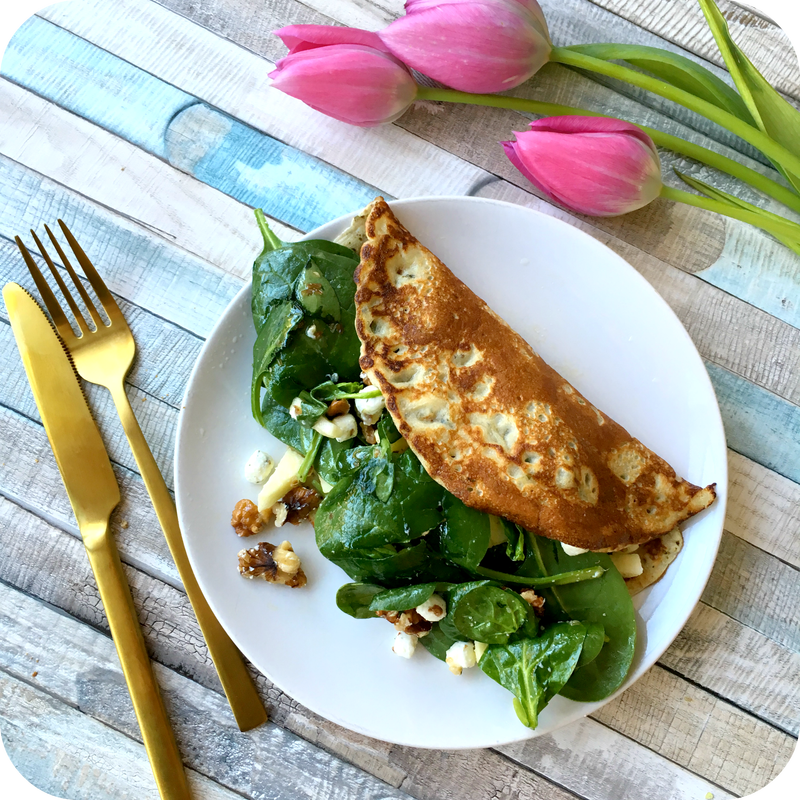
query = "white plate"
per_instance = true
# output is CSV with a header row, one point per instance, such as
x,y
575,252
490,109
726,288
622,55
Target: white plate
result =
x,y
593,318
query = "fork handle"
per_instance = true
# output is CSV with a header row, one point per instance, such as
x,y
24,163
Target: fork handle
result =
x,y
159,740
240,690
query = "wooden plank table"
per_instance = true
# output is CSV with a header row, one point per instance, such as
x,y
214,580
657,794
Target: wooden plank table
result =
x,y
121,117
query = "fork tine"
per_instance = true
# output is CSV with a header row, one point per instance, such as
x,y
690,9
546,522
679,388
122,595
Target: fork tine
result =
x,y
104,295
90,307
51,303
76,312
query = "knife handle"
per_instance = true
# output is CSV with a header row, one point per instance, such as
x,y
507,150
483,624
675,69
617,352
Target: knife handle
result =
x,y
247,707
159,740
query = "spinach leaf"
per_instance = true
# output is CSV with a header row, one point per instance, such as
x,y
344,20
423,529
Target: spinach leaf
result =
x,y
402,599
515,549
306,361
330,391
328,459
354,599
464,538
352,517
593,643
310,410
316,295
280,321
535,670
484,612
387,430
387,564
438,642
277,268
278,421
604,601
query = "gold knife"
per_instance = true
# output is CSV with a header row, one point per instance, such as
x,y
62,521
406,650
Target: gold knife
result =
x,y
93,493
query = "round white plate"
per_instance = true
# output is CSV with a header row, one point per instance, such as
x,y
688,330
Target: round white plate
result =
x,y
594,319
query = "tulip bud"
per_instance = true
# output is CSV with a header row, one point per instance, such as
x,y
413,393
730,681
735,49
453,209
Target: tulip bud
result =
x,y
345,73
472,45
591,165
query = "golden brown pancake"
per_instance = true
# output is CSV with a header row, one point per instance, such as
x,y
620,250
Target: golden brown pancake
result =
x,y
489,419
656,555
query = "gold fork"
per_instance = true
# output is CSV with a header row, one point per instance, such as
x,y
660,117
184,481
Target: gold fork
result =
x,y
104,356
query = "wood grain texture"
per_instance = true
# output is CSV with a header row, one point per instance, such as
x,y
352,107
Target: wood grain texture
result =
x,y
700,731
77,666
748,263
66,753
717,714
763,508
760,674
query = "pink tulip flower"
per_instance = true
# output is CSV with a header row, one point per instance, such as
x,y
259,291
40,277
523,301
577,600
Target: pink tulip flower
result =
x,y
345,73
591,165
472,45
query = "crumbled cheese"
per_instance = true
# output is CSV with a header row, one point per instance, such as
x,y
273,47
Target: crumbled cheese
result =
x,y
460,656
480,649
573,551
259,467
312,332
369,408
280,512
296,408
433,609
341,428
405,644
628,564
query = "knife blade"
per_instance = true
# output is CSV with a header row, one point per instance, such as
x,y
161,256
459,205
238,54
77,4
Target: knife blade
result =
x,y
93,494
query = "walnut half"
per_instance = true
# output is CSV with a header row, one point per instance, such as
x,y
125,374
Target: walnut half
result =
x,y
245,518
274,564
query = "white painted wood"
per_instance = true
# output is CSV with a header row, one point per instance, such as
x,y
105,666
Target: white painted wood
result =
x,y
763,508
79,669
607,763
761,675
68,754
765,273
173,637
138,185
719,709
699,731
385,157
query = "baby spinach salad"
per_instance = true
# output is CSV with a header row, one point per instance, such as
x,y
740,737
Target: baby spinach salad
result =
x,y
540,622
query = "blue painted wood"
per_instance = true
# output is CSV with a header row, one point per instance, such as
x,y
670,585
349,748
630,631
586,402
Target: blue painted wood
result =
x,y
92,83
135,263
256,169
758,423
759,269
261,171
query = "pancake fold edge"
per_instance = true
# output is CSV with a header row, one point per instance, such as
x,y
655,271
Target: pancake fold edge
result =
x,y
489,419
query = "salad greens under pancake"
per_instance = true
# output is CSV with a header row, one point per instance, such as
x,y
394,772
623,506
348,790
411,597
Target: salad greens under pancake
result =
x,y
401,537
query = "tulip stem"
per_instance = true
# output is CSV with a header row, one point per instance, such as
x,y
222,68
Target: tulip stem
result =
x,y
757,138
776,227
674,143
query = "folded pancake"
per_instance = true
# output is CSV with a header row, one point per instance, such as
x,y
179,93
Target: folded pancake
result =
x,y
489,419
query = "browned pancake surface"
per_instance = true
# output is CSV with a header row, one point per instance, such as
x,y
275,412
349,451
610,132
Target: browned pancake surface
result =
x,y
489,419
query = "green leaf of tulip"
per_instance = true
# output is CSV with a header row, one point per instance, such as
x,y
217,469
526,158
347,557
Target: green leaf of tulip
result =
x,y
772,114
737,202
675,69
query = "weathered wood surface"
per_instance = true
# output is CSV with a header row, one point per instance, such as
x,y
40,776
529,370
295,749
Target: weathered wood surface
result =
x,y
170,224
